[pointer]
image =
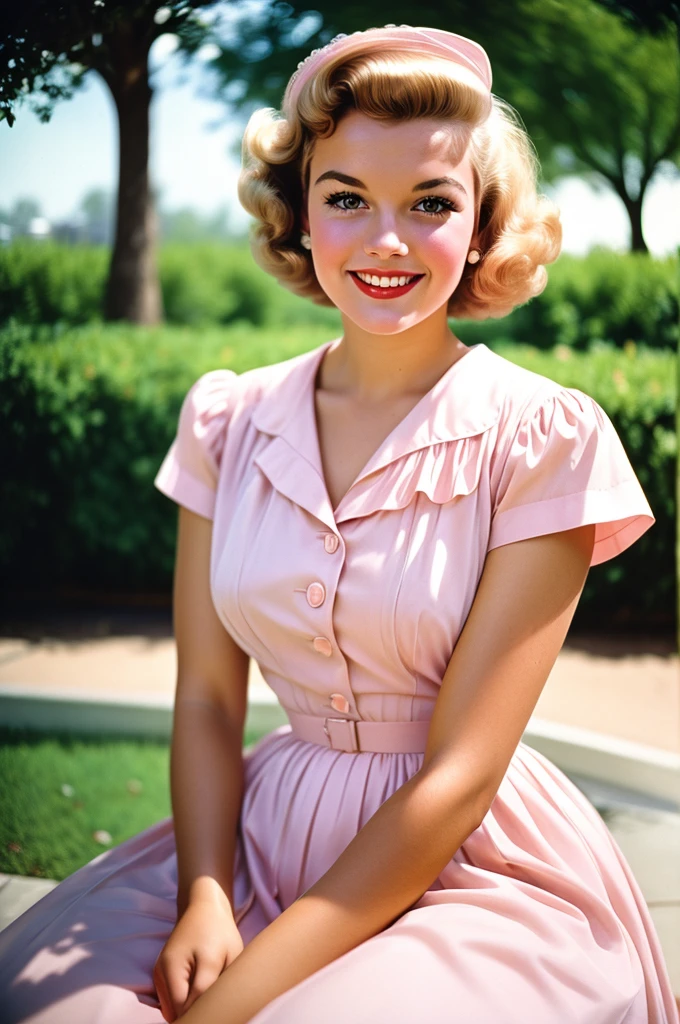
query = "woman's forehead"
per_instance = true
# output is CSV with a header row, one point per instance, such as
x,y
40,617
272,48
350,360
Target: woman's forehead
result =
x,y
417,148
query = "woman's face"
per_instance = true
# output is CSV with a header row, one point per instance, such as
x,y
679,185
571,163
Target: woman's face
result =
x,y
389,200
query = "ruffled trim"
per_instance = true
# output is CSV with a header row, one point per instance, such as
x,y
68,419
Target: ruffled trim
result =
x,y
567,468
442,471
190,470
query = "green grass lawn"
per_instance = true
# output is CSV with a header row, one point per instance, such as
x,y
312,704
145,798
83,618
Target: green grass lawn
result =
x,y
120,786
114,785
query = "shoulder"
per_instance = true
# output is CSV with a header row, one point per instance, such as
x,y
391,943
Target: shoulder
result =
x,y
518,391
209,396
218,404
528,401
559,464
222,392
260,381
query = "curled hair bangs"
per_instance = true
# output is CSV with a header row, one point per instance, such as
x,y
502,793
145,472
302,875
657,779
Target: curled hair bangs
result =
x,y
392,85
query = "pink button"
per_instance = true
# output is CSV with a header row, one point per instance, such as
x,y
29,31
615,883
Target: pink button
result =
x,y
339,703
330,542
323,645
316,594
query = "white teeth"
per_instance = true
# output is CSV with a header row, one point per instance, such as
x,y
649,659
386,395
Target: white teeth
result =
x,y
385,282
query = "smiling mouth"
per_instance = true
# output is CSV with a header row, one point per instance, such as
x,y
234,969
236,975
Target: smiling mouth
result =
x,y
384,286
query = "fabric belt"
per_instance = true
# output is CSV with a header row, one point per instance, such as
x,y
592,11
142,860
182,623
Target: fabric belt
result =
x,y
350,736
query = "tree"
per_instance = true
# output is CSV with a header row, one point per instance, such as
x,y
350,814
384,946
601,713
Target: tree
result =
x,y
48,48
658,17
598,98
189,225
650,15
602,100
22,213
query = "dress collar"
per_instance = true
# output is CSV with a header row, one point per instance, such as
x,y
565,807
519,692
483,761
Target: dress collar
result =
x,y
462,403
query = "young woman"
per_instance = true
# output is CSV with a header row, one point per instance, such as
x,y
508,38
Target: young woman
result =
x,y
398,528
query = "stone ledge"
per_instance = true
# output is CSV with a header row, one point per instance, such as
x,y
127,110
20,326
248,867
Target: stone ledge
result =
x,y
641,772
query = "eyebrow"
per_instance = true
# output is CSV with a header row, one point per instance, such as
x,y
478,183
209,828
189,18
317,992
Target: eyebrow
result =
x,y
424,186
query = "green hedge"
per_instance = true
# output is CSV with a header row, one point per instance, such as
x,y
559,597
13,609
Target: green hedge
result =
x,y
88,413
44,282
603,296
203,284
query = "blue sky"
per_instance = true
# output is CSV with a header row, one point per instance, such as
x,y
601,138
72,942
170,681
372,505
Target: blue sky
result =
x,y
192,165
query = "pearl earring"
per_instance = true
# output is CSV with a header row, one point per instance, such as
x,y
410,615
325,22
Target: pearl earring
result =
x,y
474,256
305,240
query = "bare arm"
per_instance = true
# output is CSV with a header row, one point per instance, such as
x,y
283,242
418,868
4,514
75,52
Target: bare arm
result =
x,y
206,766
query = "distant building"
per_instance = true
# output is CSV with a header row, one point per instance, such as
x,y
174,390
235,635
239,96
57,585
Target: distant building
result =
x,y
77,230
39,227
68,231
74,231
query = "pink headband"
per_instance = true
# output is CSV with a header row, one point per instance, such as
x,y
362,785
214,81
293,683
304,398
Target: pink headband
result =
x,y
430,42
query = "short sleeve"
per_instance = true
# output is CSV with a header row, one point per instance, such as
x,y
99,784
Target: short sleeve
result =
x,y
567,467
189,471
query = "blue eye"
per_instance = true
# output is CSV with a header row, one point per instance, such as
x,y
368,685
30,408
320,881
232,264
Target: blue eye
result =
x,y
448,206
335,199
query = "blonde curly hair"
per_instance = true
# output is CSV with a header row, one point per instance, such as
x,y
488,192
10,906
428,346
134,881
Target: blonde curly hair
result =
x,y
519,230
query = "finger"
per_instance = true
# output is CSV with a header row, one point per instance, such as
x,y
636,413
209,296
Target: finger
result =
x,y
176,977
206,974
161,992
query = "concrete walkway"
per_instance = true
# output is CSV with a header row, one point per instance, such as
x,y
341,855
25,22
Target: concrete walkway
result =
x,y
624,688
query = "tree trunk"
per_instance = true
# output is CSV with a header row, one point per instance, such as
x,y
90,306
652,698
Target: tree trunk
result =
x,y
634,211
133,289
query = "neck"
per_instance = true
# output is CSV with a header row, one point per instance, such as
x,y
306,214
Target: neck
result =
x,y
375,368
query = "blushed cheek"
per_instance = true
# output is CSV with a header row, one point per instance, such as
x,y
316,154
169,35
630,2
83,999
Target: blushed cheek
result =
x,y
331,256
447,255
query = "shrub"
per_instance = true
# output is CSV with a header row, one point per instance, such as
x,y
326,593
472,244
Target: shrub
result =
x,y
603,296
202,284
88,413
46,282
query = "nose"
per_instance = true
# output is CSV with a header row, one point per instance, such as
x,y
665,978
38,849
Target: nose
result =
x,y
385,243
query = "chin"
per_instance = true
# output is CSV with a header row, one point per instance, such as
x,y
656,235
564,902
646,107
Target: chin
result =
x,y
381,316
384,325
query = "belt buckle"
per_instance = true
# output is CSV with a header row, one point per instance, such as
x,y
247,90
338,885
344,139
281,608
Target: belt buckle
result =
x,y
344,732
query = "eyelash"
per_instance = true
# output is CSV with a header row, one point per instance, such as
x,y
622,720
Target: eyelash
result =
x,y
336,197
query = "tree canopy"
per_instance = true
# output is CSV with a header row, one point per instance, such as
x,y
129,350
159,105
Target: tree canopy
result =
x,y
48,49
599,97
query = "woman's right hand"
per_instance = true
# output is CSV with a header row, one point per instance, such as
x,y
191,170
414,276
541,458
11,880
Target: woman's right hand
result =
x,y
202,944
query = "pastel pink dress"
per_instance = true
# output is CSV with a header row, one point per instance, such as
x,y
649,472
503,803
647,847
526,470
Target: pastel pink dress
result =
x,y
352,614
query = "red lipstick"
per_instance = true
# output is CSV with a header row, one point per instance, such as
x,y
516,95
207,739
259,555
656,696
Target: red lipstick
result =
x,y
376,292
